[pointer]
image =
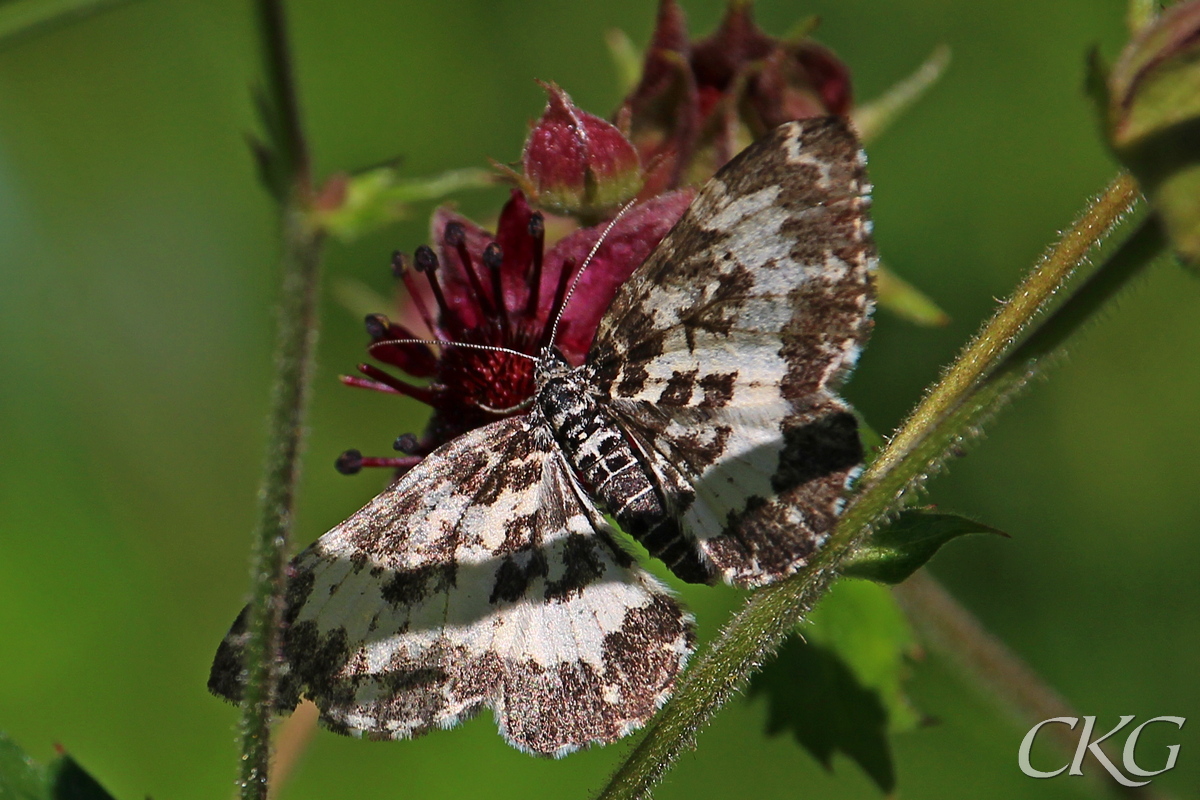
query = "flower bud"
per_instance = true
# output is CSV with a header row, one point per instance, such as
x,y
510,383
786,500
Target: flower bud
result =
x,y
576,163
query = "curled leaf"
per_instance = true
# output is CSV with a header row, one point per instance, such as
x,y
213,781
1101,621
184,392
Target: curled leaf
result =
x,y
893,553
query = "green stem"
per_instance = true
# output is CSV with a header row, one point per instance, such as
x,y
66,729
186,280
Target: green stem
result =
x,y
295,345
942,418
1030,298
285,127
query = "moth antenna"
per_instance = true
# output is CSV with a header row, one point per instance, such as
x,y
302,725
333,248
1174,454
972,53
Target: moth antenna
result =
x,y
471,345
583,268
521,406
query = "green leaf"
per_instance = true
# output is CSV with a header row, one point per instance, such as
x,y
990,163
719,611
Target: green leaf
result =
x,y
872,442
841,691
893,553
351,206
21,778
69,781
907,301
814,696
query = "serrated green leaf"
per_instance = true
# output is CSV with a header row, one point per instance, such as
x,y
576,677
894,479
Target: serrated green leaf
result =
x,y
864,625
21,778
893,553
814,696
69,781
842,689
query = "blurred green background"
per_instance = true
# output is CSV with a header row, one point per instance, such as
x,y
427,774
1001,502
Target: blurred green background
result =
x,y
137,277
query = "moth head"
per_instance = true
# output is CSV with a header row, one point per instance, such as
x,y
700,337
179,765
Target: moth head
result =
x,y
551,364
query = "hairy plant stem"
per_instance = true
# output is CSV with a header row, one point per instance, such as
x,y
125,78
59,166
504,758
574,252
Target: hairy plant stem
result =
x,y
947,414
1030,298
956,635
295,344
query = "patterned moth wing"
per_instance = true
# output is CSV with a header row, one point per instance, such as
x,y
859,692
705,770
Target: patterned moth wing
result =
x,y
720,357
704,420
483,577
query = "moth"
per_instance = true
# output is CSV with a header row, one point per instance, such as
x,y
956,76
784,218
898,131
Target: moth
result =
x,y
704,421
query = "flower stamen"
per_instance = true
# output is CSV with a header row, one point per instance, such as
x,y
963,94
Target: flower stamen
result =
x,y
493,258
356,382
406,443
537,230
415,392
403,271
426,261
455,236
352,462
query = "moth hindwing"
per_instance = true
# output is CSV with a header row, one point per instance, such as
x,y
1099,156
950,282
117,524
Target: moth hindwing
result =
x,y
704,420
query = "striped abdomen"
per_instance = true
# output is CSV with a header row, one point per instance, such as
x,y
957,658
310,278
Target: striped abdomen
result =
x,y
615,475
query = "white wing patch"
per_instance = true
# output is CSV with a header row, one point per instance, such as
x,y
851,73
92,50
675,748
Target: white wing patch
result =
x,y
497,587
722,353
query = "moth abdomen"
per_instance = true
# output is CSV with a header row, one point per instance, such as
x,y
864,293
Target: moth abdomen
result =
x,y
609,467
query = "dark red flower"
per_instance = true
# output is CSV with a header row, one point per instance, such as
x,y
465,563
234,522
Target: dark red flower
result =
x,y
699,103
502,290
695,107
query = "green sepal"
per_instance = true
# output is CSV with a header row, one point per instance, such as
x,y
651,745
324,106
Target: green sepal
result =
x,y
907,301
69,781
1152,120
353,205
898,550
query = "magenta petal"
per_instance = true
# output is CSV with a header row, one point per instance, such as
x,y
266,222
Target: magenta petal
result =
x,y
512,234
625,248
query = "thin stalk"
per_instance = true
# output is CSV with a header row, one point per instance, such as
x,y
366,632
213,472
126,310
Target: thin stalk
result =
x,y
295,345
1030,298
942,418
20,19
986,662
